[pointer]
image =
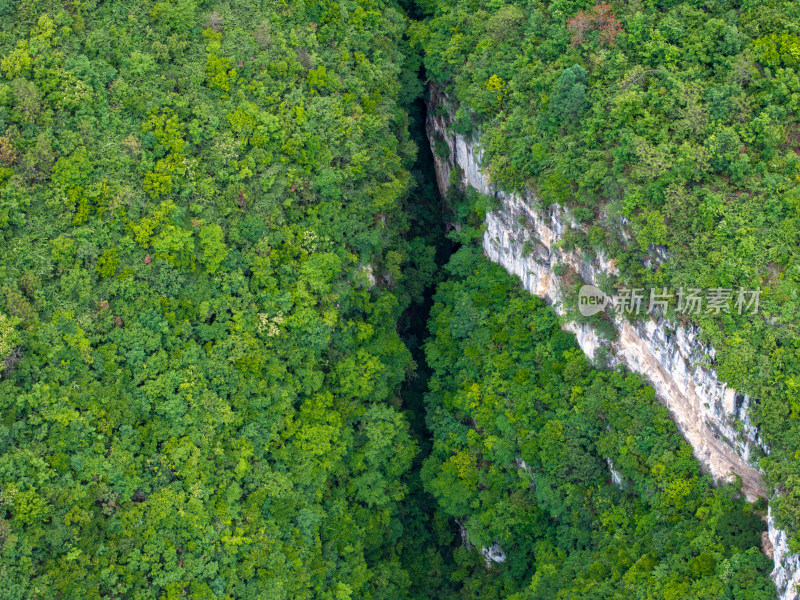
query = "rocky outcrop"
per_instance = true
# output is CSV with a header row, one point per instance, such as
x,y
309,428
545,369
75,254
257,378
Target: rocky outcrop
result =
x,y
616,476
526,241
493,554
786,574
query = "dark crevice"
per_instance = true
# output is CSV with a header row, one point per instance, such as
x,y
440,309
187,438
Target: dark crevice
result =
x,y
419,512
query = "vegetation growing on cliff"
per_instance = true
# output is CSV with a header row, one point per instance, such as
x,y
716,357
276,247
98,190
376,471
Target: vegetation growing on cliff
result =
x,y
674,121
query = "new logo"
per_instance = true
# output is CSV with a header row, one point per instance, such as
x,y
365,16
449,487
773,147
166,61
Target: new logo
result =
x,y
591,300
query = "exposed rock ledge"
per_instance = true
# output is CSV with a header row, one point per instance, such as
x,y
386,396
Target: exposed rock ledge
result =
x,y
710,415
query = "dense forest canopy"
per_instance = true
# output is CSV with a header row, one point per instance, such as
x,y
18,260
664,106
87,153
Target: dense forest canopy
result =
x,y
219,243
202,268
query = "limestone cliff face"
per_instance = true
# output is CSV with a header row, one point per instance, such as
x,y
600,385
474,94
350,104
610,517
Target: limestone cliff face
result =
x,y
711,416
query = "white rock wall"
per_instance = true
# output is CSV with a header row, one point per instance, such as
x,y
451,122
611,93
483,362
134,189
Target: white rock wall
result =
x,y
787,565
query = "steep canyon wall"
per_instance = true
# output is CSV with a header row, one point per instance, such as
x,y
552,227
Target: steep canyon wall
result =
x,y
711,416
